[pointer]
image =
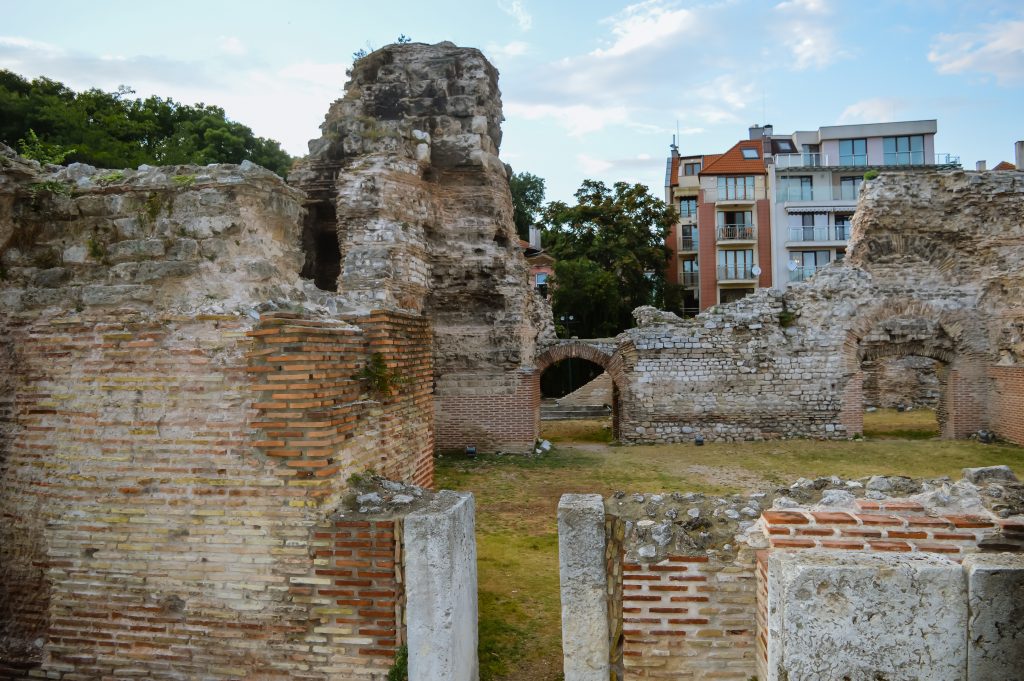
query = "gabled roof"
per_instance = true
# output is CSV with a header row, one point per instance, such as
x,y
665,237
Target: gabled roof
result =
x,y
733,163
1005,165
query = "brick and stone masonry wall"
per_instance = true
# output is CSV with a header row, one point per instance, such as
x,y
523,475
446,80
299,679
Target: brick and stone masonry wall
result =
x,y
492,413
1007,404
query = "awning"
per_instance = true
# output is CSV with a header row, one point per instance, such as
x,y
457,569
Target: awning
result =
x,y
797,210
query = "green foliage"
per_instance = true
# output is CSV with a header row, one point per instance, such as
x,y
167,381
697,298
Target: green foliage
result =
x,y
380,380
359,54
116,130
527,201
184,181
96,249
111,177
870,175
34,148
617,238
49,187
400,669
403,39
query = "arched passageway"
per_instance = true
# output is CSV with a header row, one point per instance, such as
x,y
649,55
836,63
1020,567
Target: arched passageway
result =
x,y
581,350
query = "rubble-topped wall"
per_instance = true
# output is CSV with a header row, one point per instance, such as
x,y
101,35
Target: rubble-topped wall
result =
x,y
935,268
179,414
407,179
684,577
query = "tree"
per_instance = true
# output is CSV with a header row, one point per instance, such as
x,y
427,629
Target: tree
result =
x,y
117,130
586,300
621,232
527,201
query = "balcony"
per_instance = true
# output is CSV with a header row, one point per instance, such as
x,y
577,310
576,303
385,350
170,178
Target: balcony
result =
x,y
736,273
691,279
825,194
819,233
734,195
741,232
803,273
893,160
688,244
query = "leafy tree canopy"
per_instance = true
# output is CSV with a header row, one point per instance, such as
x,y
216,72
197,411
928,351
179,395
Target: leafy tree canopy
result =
x,y
620,233
47,120
527,201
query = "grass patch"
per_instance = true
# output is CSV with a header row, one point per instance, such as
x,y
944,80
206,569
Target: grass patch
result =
x,y
917,424
578,430
517,499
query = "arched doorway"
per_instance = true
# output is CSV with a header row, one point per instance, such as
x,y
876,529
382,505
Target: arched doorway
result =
x,y
897,334
576,350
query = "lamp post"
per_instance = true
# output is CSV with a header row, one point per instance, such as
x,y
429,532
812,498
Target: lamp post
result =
x,y
567,321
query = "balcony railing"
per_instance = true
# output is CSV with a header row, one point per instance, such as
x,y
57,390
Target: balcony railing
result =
x,y
820,233
842,232
735,272
736,233
897,159
687,243
734,194
691,278
824,193
803,273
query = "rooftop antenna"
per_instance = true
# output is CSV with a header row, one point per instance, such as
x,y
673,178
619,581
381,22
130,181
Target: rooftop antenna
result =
x,y
764,106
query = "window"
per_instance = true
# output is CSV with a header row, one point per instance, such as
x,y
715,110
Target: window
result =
x,y
797,188
688,208
812,157
806,263
785,146
903,151
691,168
731,295
541,278
736,188
735,225
807,230
733,265
750,154
842,227
849,188
853,152
688,238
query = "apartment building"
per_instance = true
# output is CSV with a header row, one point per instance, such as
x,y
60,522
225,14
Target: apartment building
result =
x,y
778,208
721,247
816,177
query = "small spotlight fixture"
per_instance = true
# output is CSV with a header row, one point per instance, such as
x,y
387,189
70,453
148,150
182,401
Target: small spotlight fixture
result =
x,y
699,440
471,450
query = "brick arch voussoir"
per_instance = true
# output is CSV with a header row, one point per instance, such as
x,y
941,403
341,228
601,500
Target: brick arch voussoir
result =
x,y
610,363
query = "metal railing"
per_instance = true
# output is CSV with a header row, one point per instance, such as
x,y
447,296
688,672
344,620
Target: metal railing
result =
x,y
687,243
691,278
734,194
902,158
825,193
803,273
736,232
735,272
783,161
842,232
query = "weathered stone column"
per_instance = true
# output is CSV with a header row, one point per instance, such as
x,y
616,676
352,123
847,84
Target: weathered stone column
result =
x,y
995,630
584,586
845,615
441,600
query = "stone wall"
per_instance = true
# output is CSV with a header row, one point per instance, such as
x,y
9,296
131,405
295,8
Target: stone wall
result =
x,y
934,261
695,572
408,171
907,381
181,414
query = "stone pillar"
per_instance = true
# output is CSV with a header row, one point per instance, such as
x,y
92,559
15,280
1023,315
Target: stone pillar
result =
x,y
857,616
995,630
584,584
441,596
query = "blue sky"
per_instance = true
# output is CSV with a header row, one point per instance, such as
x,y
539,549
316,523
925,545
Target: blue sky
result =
x,y
592,89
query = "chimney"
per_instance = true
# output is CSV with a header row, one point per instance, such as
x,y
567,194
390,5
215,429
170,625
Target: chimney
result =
x,y
535,236
766,143
1018,154
756,132
980,166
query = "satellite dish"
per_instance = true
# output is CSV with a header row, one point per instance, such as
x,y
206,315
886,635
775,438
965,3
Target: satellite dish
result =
x,y
756,270
791,266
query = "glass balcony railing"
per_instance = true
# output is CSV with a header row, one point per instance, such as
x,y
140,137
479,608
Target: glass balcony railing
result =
x,y
825,193
903,158
741,232
735,272
687,243
803,273
820,233
691,278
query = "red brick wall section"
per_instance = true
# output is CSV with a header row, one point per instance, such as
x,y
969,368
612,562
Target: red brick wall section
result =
x,y
707,254
357,594
851,414
966,394
1006,403
689,617
494,414
762,614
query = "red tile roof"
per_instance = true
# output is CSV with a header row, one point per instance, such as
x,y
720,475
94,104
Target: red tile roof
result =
x,y
673,172
1005,165
733,163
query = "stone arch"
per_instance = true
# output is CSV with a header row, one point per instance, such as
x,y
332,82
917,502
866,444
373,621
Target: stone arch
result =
x,y
895,329
612,363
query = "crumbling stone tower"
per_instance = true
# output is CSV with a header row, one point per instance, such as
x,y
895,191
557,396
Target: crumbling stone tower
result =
x,y
409,210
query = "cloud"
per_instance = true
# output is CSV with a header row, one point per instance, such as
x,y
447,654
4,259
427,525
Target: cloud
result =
x,y
511,50
808,33
516,10
645,25
577,119
230,44
591,165
875,110
996,50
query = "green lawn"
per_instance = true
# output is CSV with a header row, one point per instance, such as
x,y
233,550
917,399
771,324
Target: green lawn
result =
x,y
517,497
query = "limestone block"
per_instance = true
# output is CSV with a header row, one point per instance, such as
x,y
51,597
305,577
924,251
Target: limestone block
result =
x,y
844,616
584,587
441,600
995,630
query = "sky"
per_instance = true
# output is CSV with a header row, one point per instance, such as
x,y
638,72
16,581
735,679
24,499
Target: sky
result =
x,y
592,89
